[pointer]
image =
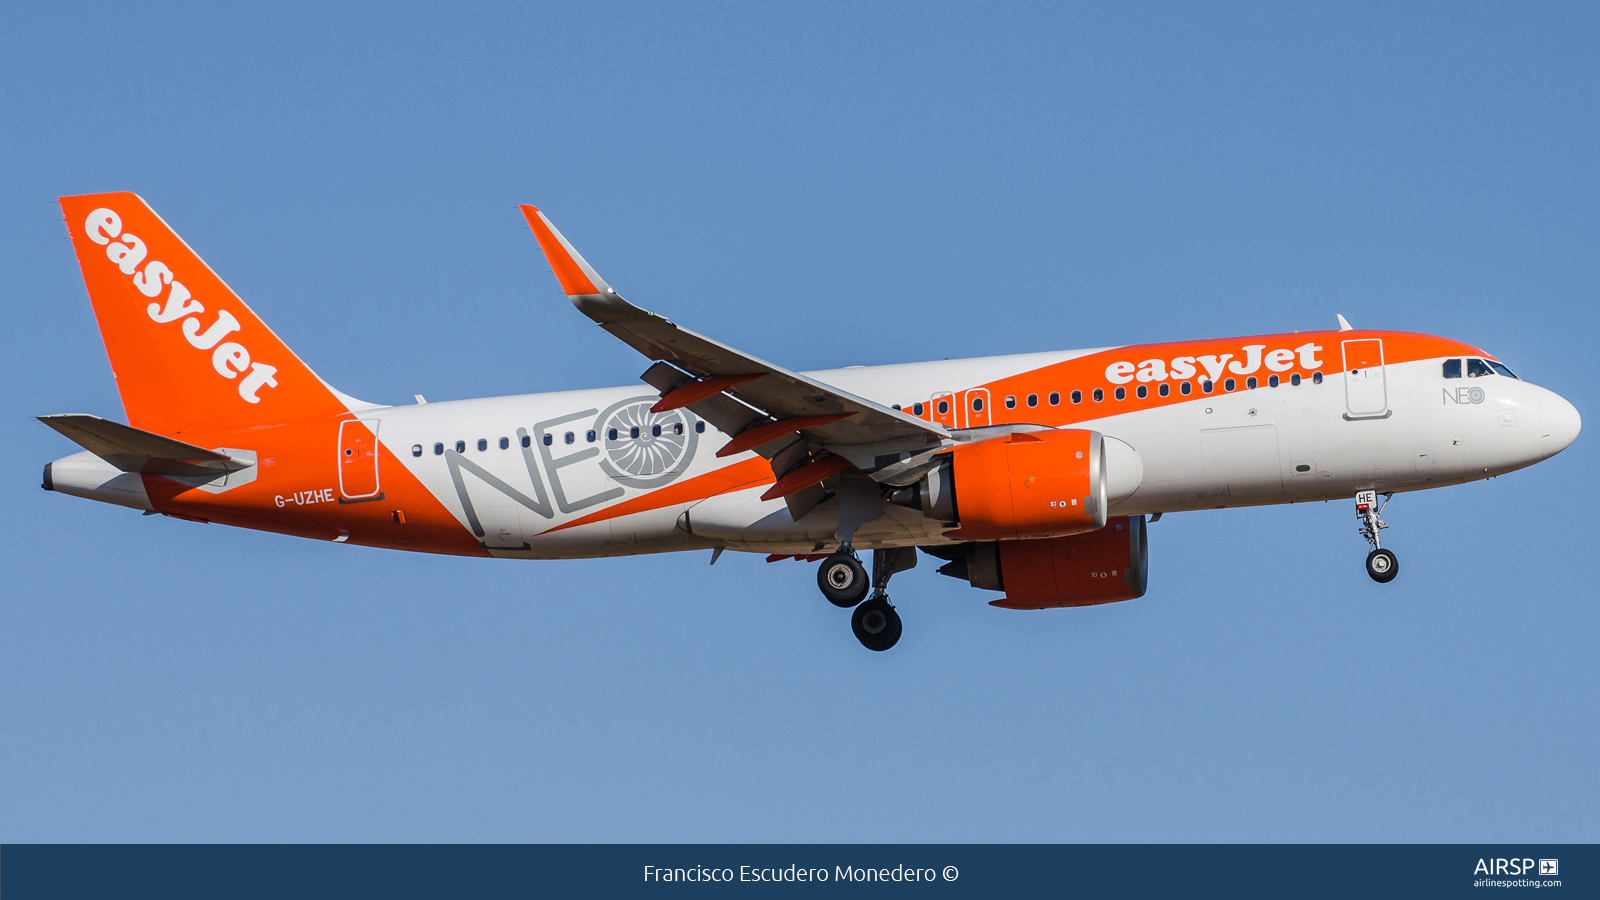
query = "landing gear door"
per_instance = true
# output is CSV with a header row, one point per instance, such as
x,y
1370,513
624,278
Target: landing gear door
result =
x,y
1366,394
358,461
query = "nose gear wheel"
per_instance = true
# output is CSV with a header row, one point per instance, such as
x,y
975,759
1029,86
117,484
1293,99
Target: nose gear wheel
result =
x,y
1382,566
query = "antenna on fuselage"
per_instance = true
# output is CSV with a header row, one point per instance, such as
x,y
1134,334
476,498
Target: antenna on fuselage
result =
x,y
1343,325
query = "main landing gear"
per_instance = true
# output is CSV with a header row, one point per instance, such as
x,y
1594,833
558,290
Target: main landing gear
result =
x,y
844,582
875,623
1382,565
842,578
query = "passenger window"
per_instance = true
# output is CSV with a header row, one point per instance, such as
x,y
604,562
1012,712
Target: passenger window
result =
x,y
1055,398
1011,401
699,428
1501,368
1143,392
549,439
977,404
1122,393
1077,397
438,449
916,409
1164,389
1207,386
1228,384
944,407
461,446
1185,388
1033,399
1295,379
527,441
1316,377
1477,368
416,449
569,438
1250,383
483,445
1452,368
611,434
589,436
655,431
505,443
1272,381
634,432
1099,395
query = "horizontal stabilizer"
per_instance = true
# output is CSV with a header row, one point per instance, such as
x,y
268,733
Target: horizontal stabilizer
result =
x,y
133,450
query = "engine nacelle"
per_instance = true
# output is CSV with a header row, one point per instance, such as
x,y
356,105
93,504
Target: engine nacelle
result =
x,y
1102,566
1028,485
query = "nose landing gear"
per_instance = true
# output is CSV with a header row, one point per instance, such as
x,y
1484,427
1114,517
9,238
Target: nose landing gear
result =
x,y
844,582
1382,565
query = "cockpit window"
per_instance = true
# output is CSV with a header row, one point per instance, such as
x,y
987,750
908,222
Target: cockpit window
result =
x,y
1476,368
1452,368
1501,368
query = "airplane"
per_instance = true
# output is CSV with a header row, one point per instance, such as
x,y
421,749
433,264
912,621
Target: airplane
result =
x,y
1031,475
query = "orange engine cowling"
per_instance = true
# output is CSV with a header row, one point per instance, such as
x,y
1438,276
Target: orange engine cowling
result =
x,y
1103,566
1022,485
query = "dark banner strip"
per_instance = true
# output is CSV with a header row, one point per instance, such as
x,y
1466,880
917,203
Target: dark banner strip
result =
x,y
177,872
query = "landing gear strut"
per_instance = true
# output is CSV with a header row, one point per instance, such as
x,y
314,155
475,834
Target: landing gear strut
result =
x,y
1382,565
844,582
875,623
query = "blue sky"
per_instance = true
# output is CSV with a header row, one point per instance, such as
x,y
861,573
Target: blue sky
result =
x,y
821,186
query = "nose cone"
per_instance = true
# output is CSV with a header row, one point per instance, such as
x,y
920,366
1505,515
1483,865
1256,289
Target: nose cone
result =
x,y
1559,424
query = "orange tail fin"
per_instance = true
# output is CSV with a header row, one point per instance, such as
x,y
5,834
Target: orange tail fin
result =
x,y
187,353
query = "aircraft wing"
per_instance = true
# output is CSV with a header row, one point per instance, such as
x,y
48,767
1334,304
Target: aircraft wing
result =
x,y
759,404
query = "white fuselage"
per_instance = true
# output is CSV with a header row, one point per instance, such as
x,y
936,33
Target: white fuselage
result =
x,y
1282,444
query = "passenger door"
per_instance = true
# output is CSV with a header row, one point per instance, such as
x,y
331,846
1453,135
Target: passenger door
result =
x,y
358,461
1366,394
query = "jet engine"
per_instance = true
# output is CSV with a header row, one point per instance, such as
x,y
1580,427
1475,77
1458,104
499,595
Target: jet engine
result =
x,y
1032,484
1102,566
